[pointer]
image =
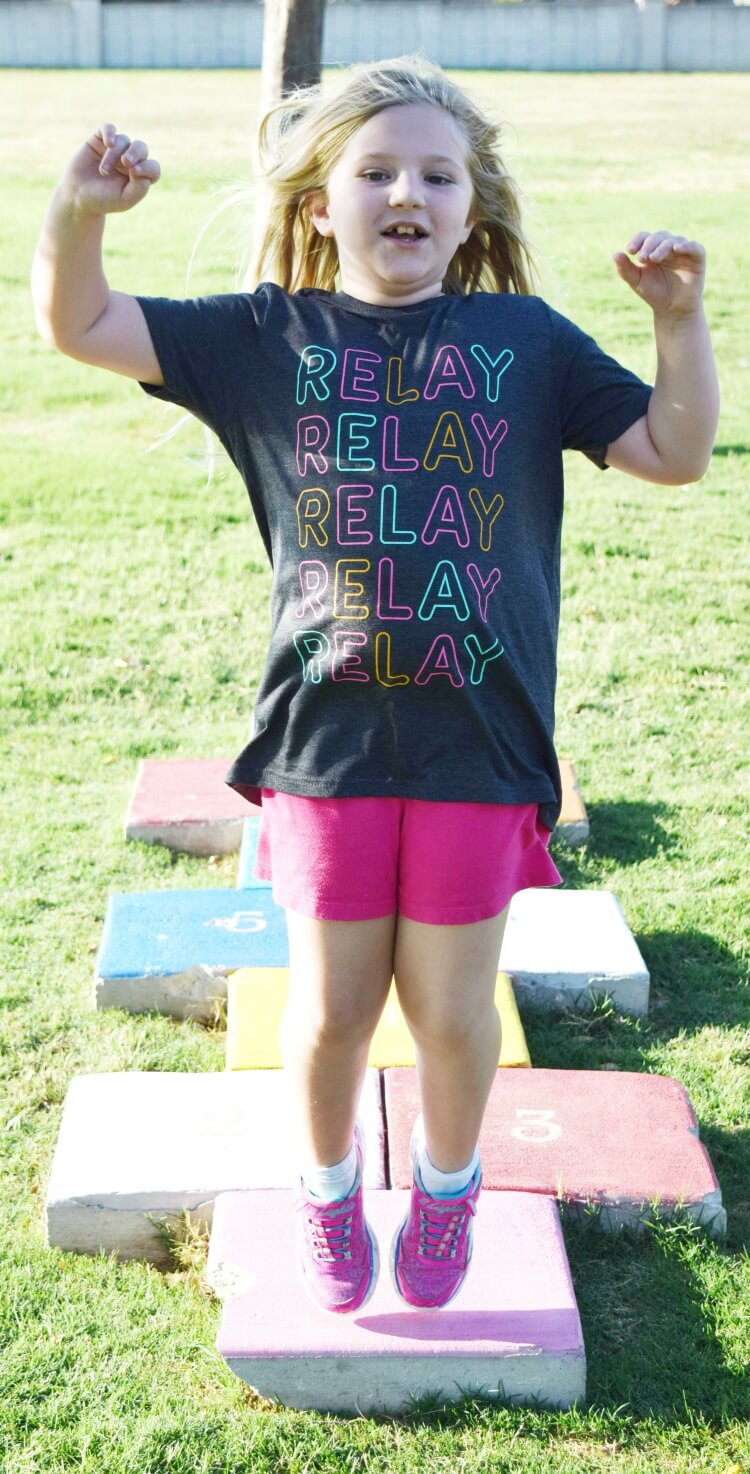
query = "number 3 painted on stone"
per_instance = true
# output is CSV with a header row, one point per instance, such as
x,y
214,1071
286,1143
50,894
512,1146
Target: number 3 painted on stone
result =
x,y
537,1126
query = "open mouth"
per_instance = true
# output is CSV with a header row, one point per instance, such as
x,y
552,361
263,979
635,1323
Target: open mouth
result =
x,y
406,232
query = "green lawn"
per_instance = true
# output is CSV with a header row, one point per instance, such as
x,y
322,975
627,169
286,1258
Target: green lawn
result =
x,y
133,624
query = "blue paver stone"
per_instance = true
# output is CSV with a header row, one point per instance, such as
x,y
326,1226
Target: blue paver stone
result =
x,y
172,950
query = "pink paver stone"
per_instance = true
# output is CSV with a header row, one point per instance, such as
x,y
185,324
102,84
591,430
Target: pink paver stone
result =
x,y
611,1138
185,804
513,1330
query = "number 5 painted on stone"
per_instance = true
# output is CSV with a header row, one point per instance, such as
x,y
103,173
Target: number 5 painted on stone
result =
x,y
242,921
536,1125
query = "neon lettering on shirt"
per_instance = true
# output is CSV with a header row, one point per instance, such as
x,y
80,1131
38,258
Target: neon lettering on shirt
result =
x,y
346,664
313,507
352,437
383,673
394,393
347,588
391,459
444,591
491,440
313,435
356,374
483,587
386,607
313,578
494,368
313,648
348,514
449,371
316,366
487,515
448,442
389,532
441,660
446,516
480,658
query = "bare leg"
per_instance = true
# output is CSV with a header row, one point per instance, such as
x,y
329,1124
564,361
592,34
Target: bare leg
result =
x,y
340,975
446,978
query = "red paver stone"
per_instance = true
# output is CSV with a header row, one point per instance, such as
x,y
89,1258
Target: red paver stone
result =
x,y
185,804
616,1139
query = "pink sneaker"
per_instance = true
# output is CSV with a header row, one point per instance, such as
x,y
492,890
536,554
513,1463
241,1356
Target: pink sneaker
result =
x,y
431,1249
337,1253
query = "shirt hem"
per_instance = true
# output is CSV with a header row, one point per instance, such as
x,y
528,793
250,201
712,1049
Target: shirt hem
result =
x,y
446,789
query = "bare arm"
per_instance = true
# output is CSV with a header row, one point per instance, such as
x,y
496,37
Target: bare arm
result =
x,y
75,310
672,443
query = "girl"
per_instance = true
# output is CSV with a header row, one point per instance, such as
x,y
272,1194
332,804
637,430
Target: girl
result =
x,y
397,403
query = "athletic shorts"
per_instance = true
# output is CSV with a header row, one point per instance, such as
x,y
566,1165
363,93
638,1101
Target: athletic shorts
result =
x,y
354,859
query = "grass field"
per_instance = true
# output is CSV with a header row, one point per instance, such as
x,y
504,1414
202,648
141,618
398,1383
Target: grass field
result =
x,y
133,625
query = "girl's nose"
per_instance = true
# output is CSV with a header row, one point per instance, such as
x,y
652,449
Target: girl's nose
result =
x,y
407,189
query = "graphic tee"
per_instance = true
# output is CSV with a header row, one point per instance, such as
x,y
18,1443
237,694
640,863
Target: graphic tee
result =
x,y
404,465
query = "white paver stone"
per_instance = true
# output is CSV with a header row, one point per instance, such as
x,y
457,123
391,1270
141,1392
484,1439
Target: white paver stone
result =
x,y
155,1143
564,948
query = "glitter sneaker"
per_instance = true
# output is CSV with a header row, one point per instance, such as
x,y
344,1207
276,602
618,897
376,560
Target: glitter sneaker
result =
x,y
431,1249
337,1253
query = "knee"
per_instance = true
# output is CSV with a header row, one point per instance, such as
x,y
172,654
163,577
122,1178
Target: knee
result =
x,y
328,1024
450,1027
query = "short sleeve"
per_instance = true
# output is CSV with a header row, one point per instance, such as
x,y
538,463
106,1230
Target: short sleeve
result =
x,y
204,346
599,399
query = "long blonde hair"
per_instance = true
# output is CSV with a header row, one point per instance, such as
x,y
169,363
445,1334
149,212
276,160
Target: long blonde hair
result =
x,y
300,140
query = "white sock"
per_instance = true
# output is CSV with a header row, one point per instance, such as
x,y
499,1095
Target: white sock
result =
x,y
445,1184
332,1184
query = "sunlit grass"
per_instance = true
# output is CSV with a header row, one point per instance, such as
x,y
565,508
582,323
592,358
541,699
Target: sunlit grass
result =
x,y
134,624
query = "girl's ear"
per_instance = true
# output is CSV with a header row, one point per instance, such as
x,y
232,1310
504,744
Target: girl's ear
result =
x,y
316,208
469,226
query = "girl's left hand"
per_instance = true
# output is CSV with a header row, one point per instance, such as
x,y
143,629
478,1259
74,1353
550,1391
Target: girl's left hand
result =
x,y
668,272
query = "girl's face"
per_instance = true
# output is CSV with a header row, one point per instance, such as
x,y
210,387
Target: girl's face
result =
x,y
404,165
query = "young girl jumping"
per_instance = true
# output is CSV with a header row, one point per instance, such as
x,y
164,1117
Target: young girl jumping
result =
x,y
397,403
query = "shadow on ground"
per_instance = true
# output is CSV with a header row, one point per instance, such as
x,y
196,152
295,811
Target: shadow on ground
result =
x,y
627,832
652,1341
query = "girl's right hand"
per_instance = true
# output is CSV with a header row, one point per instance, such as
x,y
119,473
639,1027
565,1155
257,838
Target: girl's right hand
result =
x,y
110,173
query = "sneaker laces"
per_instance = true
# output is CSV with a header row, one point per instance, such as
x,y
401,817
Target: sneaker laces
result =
x,y
329,1232
441,1225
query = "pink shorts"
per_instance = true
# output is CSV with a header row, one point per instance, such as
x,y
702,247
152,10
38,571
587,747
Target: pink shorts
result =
x,y
353,859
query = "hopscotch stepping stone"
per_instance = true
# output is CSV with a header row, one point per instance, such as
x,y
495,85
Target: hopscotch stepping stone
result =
x,y
619,1141
513,1330
184,803
573,823
172,950
139,1144
564,948
256,998
245,878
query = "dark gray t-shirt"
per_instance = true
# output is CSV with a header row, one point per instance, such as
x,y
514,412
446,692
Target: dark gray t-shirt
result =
x,y
404,465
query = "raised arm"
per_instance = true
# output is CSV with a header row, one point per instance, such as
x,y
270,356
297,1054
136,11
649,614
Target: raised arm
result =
x,y
75,310
672,444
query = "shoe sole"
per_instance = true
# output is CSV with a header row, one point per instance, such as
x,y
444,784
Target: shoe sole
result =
x,y
394,1253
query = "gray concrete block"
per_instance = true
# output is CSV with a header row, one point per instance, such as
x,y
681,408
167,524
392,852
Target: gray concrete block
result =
x,y
564,948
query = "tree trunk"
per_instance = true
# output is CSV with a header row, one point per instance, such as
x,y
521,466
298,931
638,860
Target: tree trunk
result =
x,y
292,47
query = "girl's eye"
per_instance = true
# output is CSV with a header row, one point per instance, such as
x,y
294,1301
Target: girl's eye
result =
x,y
441,178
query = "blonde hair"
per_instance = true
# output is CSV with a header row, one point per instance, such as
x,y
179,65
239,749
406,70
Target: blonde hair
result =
x,y
300,140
